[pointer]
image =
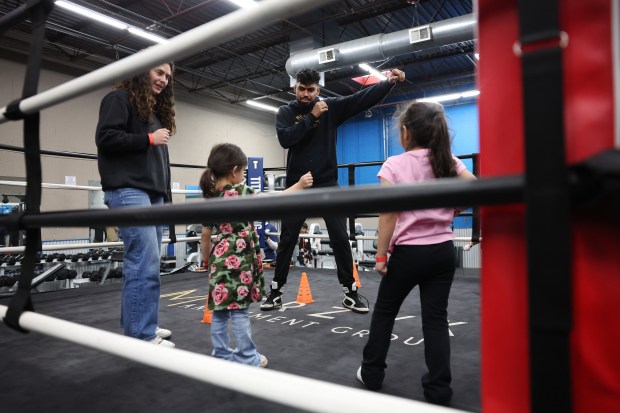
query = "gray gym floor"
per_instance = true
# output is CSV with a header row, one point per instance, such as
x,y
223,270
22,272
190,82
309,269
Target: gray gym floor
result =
x,y
317,340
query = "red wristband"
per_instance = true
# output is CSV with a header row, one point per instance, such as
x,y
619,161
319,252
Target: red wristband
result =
x,y
382,258
151,139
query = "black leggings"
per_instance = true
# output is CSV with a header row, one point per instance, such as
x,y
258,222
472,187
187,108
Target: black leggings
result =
x,y
432,268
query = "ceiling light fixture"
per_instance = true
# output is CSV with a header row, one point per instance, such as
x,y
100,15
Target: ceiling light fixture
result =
x,y
262,106
450,96
146,35
101,18
372,71
83,11
245,4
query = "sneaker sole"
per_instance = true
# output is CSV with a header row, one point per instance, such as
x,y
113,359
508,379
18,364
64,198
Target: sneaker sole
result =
x,y
357,310
359,375
269,307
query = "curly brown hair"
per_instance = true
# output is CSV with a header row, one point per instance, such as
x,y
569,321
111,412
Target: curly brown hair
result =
x,y
141,95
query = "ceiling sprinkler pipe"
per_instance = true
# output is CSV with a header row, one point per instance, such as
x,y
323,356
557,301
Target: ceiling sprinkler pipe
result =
x,y
422,40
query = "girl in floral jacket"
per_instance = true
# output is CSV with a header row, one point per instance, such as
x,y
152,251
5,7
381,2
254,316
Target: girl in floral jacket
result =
x,y
234,262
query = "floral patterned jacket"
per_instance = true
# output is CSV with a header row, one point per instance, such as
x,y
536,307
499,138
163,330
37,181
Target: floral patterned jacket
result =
x,y
235,264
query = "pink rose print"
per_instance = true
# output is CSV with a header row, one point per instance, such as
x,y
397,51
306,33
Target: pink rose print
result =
x,y
219,294
256,293
233,306
252,244
220,248
242,291
213,268
230,193
240,244
244,233
245,277
260,262
226,229
232,262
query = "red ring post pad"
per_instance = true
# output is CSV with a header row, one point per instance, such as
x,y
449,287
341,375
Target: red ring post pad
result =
x,y
589,116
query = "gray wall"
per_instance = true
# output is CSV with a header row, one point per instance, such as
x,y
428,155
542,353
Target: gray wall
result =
x,y
70,126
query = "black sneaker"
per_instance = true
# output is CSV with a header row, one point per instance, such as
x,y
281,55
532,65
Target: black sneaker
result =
x,y
273,301
353,302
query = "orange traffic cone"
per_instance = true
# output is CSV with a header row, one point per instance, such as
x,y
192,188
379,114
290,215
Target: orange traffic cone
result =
x,y
207,317
304,295
356,276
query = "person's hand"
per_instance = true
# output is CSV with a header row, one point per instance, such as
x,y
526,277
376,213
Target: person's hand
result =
x,y
396,75
319,108
161,136
381,268
306,180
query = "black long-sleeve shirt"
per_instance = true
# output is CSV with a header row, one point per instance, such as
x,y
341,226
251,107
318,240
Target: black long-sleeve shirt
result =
x,y
125,157
311,142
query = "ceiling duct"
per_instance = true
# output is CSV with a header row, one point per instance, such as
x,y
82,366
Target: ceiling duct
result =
x,y
427,39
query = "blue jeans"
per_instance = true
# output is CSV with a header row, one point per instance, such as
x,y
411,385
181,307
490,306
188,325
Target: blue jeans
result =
x,y
141,265
245,352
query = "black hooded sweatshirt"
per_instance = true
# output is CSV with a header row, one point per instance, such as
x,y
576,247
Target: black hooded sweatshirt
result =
x,y
311,141
125,157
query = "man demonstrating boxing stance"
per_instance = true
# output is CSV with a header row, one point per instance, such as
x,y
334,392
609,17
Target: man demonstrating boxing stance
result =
x,y
307,127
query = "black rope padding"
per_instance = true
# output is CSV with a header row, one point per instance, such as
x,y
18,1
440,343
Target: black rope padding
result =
x,y
442,193
22,301
13,112
602,172
548,206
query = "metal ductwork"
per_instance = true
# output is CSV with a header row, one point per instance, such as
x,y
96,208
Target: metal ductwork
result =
x,y
425,39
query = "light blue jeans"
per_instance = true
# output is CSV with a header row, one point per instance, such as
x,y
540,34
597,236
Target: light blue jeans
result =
x,y
245,352
141,265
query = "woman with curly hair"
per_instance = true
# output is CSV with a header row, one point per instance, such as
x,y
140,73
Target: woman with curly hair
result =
x,y
135,124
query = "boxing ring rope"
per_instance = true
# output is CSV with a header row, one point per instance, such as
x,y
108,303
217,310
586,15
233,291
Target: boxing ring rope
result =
x,y
233,25
450,192
52,247
308,394
88,188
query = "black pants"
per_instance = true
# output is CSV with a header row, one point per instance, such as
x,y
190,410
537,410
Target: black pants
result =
x,y
338,237
432,268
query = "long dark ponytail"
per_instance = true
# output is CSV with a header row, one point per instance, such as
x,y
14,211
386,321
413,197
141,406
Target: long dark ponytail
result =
x,y
427,126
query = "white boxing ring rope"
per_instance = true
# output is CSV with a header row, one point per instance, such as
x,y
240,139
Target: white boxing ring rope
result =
x,y
304,393
230,26
77,246
88,188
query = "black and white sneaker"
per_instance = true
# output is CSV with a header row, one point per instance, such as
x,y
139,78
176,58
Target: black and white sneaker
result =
x,y
273,301
352,300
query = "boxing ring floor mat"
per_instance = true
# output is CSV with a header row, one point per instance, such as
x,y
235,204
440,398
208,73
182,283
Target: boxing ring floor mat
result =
x,y
320,340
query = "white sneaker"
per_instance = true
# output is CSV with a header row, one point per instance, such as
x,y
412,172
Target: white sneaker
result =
x,y
160,341
263,361
163,333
